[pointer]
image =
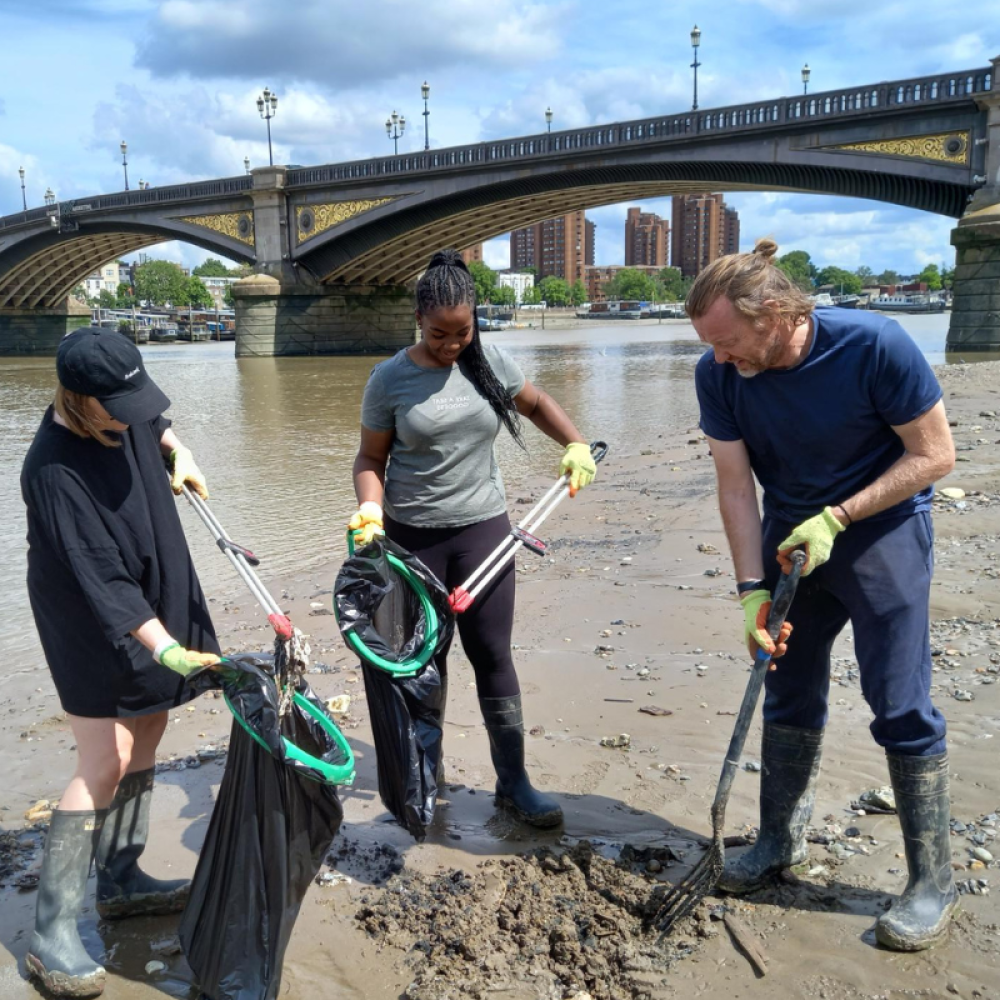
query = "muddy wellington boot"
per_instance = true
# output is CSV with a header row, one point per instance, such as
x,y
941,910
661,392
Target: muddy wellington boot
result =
x,y
920,917
505,725
789,767
56,955
123,889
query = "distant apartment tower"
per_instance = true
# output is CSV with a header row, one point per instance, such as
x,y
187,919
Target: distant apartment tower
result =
x,y
475,252
704,228
561,248
646,239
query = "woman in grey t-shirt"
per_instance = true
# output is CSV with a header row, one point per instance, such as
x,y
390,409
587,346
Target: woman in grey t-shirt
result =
x,y
429,419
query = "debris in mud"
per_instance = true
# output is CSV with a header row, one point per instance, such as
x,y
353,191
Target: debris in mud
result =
x,y
563,922
372,863
974,887
876,800
654,710
622,741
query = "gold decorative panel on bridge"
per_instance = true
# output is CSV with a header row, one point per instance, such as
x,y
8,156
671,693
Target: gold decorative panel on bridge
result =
x,y
946,147
236,225
311,220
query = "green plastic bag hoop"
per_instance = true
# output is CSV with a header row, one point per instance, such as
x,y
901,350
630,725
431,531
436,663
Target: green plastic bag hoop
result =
x,y
334,774
416,663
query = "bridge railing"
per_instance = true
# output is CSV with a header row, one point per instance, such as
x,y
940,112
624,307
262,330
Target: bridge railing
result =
x,y
837,104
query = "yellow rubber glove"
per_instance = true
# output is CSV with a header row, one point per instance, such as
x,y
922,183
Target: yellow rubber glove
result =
x,y
756,607
579,463
185,661
366,523
184,470
817,536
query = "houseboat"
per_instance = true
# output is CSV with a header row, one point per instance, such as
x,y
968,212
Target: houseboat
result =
x,y
916,303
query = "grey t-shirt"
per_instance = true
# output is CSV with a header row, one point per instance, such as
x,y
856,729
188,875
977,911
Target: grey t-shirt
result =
x,y
442,470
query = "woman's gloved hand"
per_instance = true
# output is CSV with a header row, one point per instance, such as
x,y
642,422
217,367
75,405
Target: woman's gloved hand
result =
x,y
184,471
579,464
366,523
756,607
817,536
183,661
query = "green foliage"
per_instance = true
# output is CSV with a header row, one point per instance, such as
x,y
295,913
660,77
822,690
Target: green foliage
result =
x,y
124,326
947,276
532,296
227,297
196,294
866,274
485,279
931,276
123,297
159,282
631,283
504,295
79,293
888,278
212,267
106,299
578,293
672,286
842,281
798,265
555,291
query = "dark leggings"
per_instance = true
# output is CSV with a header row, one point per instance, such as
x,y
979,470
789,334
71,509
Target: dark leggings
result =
x,y
451,554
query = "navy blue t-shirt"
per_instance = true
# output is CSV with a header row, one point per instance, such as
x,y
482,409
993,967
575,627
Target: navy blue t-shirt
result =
x,y
819,432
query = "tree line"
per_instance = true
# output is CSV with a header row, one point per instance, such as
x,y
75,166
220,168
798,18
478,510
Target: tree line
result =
x,y
162,282
798,265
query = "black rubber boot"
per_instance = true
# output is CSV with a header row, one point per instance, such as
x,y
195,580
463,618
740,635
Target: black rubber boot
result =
x,y
444,701
789,766
919,919
123,889
56,954
505,725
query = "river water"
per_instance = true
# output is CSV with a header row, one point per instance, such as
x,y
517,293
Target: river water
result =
x,y
276,438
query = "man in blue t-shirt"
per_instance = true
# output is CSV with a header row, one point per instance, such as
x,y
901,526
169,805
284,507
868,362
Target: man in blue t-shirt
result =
x,y
840,419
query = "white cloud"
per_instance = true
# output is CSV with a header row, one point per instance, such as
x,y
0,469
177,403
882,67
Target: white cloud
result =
x,y
496,253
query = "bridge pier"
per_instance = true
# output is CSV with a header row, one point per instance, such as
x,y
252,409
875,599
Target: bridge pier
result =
x,y
38,331
975,311
280,318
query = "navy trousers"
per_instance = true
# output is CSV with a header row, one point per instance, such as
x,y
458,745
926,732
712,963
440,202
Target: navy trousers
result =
x,y
878,577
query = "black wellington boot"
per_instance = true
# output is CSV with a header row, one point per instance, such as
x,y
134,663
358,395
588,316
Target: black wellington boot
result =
x,y
505,725
789,766
56,954
440,766
123,889
919,919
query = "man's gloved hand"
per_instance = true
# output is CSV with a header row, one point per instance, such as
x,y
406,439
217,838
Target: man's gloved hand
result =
x,y
817,535
756,607
579,463
366,523
184,661
183,470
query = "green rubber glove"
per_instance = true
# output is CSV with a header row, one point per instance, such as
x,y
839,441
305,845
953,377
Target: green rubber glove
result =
x,y
817,536
185,661
579,464
756,607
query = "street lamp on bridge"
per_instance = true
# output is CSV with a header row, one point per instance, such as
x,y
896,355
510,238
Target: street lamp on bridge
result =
x,y
695,42
124,149
805,79
548,119
50,197
246,164
395,126
24,197
267,107
425,92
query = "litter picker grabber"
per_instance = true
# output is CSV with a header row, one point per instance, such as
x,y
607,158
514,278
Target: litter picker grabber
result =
x,y
703,878
523,534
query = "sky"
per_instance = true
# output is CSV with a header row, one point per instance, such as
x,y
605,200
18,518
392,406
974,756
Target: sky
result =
x,y
178,80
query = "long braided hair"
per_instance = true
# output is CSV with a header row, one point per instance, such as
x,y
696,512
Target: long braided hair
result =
x,y
447,282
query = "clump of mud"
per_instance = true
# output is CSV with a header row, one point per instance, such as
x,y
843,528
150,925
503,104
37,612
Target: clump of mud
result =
x,y
560,921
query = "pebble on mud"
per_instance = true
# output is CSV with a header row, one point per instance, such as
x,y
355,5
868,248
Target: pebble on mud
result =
x,y
622,740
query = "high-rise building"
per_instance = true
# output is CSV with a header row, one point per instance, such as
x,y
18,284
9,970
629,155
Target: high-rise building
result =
x,y
475,252
704,228
560,247
646,238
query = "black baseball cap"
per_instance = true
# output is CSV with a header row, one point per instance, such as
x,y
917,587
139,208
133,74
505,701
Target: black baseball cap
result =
x,y
105,364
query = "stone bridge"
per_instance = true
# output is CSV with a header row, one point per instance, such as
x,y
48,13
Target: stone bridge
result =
x,y
334,247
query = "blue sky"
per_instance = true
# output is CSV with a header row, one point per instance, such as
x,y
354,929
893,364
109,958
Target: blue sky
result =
x,y
178,80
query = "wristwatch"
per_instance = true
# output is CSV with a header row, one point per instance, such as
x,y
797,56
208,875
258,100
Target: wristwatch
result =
x,y
747,585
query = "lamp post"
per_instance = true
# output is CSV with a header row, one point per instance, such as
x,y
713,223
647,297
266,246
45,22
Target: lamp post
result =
x,y
267,107
695,42
142,184
425,92
50,197
124,149
246,164
548,119
24,197
805,79
395,126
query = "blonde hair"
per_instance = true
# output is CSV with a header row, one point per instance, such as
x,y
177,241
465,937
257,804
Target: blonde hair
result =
x,y
74,408
749,280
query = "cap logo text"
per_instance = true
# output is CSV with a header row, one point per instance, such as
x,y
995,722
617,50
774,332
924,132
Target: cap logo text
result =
x,y
135,371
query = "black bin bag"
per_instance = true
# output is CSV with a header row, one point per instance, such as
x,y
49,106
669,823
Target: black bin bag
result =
x,y
393,612
275,818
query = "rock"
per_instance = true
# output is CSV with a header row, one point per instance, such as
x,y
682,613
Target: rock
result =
x,y
620,741
959,695
952,493
536,731
655,710
154,967
708,549
881,799
339,705
752,765
981,854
